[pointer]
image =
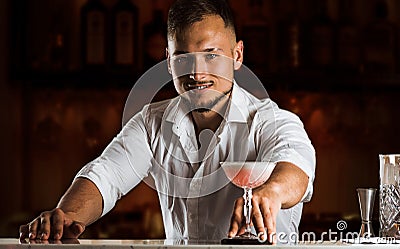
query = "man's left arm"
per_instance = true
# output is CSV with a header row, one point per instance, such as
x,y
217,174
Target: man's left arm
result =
x,y
281,139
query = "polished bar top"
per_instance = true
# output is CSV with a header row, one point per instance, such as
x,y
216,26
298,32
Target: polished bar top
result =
x,y
9,243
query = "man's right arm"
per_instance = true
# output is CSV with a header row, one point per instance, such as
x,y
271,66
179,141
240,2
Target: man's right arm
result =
x,y
80,206
122,165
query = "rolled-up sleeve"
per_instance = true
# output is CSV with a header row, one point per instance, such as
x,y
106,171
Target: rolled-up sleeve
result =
x,y
282,138
122,165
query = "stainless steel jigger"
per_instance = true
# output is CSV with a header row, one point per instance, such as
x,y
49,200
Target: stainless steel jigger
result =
x,y
366,198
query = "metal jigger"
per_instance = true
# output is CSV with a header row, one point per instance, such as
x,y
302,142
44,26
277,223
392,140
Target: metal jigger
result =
x,y
366,199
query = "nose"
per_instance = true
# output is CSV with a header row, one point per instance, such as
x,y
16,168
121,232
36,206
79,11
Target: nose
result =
x,y
199,69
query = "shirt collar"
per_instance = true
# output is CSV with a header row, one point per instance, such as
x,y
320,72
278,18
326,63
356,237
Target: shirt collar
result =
x,y
239,107
176,113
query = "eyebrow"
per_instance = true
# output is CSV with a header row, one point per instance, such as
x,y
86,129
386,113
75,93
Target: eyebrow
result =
x,y
179,52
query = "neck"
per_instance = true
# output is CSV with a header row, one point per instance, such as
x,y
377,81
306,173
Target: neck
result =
x,y
211,119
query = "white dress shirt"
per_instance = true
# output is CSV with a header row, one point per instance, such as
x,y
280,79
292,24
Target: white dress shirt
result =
x,y
195,196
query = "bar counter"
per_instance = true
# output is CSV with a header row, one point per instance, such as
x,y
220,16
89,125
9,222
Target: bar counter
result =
x,y
9,243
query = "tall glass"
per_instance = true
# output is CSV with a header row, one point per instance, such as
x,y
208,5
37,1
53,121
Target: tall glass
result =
x,y
248,175
389,196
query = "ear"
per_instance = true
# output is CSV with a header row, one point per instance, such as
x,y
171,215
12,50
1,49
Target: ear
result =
x,y
238,55
168,60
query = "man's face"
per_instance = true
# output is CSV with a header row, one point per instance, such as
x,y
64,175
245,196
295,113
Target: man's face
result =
x,y
202,60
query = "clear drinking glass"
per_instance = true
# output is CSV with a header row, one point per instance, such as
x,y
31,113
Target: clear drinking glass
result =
x,y
389,196
248,175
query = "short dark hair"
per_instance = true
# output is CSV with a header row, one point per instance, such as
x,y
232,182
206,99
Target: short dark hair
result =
x,y
184,13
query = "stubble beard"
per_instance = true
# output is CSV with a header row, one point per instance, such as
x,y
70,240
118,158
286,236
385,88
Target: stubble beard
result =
x,y
207,107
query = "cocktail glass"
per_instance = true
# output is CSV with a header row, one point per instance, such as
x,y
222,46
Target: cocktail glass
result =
x,y
248,175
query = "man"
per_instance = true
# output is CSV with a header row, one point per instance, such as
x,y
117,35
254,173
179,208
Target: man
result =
x,y
166,140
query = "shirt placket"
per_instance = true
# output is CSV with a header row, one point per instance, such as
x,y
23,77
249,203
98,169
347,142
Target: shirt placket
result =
x,y
188,142
193,207
193,203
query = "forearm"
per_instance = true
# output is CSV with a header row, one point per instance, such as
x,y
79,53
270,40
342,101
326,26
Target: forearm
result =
x,y
288,183
82,201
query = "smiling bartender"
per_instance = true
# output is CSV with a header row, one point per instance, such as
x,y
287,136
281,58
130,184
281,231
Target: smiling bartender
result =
x,y
196,200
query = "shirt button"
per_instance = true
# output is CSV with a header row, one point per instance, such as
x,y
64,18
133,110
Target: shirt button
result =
x,y
195,184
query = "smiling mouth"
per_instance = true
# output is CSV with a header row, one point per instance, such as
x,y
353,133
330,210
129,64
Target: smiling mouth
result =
x,y
198,85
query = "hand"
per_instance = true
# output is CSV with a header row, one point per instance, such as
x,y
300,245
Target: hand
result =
x,y
266,205
54,224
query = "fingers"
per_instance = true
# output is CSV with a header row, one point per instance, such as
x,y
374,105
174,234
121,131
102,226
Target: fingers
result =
x,y
44,231
75,229
49,225
23,232
42,242
258,219
269,215
236,220
271,228
57,224
33,226
78,228
264,216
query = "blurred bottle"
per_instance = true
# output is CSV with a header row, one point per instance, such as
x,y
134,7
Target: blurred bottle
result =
x,y
94,21
155,37
290,35
54,58
380,39
125,36
320,39
348,42
58,54
256,38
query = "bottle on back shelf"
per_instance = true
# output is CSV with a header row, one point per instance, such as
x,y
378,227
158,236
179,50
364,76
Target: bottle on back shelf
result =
x,y
93,27
155,37
125,37
320,39
348,40
256,38
290,35
55,58
380,38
